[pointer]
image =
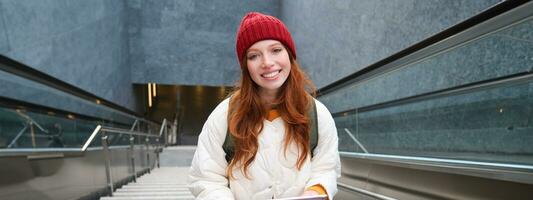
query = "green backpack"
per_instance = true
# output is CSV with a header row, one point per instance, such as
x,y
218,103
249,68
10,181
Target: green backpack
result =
x,y
229,146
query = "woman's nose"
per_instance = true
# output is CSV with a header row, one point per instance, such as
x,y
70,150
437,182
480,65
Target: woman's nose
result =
x,y
268,61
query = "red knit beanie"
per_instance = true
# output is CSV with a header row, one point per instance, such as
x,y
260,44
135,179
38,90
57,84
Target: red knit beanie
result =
x,y
256,27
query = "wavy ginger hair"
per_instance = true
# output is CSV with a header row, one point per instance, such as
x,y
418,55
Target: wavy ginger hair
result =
x,y
247,112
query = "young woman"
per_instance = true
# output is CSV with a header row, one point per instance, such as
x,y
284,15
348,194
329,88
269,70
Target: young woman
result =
x,y
267,119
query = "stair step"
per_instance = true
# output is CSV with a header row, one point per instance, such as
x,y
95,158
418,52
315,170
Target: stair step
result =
x,y
159,184
162,184
153,189
149,198
152,194
154,186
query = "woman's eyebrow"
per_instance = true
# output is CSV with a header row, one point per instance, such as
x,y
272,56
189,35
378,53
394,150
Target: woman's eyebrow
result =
x,y
269,46
250,50
278,43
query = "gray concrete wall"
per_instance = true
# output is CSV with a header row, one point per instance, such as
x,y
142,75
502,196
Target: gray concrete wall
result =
x,y
104,46
84,43
339,37
502,53
188,42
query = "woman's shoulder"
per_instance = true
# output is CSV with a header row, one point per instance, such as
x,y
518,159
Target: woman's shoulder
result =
x,y
324,117
223,106
221,110
321,109
216,123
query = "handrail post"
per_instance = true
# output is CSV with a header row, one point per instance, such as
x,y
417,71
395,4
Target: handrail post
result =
x,y
132,158
33,143
157,151
166,138
147,153
107,164
163,128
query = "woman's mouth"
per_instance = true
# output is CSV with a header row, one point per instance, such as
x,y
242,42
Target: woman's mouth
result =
x,y
270,75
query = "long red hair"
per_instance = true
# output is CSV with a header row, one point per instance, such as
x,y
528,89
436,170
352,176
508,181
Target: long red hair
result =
x,y
247,112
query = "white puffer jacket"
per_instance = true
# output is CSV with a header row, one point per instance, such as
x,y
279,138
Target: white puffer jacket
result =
x,y
272,174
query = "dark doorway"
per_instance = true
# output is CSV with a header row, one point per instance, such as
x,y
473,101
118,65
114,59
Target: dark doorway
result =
x,y
186,106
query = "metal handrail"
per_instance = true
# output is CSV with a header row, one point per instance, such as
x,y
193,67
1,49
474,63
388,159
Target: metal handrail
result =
x,y
88,141
125,131
18,135
441,162
364,192
112,130
31,121
513,172
163,126
355,140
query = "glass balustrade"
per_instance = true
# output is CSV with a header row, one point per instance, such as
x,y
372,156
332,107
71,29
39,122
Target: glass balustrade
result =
x,y
489,120
23,129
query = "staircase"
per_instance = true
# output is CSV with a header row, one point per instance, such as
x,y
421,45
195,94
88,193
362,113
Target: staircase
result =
x,y
164,183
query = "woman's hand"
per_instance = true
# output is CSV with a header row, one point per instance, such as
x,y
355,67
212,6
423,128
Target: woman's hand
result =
x,y
309,193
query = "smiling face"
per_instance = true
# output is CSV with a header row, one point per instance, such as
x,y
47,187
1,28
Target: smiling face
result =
x,y
269,65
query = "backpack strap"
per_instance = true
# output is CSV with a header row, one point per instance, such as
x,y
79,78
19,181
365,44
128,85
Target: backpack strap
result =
x,y
313,138
229,145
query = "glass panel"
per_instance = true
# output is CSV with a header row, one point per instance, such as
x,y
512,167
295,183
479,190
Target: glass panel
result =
x,y
37,128
22,129
494,125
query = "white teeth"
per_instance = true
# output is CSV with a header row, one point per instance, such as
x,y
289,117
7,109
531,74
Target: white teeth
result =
x,y
271,74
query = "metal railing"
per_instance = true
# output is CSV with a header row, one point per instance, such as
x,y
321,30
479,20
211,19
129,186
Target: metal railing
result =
x,y
104,130
355,140
152,144
29,123
364,192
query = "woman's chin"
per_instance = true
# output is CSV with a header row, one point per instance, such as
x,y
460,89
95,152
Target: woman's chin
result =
x,y
270,87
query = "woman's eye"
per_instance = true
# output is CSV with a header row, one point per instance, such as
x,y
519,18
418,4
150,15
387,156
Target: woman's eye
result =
x,y
277,50
252,57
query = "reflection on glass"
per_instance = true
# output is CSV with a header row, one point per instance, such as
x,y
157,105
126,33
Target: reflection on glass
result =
x,y
494,125
20,128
